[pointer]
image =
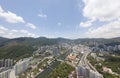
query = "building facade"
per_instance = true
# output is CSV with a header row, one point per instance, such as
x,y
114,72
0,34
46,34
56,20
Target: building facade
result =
x,y
5,74
83,72
21,66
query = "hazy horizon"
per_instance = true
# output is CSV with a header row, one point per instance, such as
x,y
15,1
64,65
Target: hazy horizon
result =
x,y
59,37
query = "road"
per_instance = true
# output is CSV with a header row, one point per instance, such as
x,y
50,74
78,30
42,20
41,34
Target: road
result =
x,y
85,63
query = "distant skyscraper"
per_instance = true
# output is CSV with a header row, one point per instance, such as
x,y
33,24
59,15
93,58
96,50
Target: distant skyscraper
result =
x,y
56,51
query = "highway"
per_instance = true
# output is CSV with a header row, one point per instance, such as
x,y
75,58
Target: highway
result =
x,y
85,63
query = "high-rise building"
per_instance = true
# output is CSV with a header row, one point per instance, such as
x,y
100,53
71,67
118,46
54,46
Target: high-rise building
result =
x,y
118,47
21,66
56,52
5,73
87,74
79,71
92,74
83,72
6,62
2,63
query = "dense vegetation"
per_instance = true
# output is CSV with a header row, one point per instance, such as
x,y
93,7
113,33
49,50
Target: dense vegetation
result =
x,y
62,71
107,75
110,62
113,63
25,45
117,52
16,51
22,47
2,40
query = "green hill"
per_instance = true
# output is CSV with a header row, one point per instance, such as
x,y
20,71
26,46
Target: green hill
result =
x,y
25,46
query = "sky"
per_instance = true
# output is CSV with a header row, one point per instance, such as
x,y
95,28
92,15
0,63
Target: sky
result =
x,y
60,18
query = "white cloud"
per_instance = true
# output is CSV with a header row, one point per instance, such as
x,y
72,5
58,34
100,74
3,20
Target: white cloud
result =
x,y
31,25
1,32
1,10
85,24
102,10
42,15
5,32
59,24
27,34
23,31
11,17
106,31
13,30
2,29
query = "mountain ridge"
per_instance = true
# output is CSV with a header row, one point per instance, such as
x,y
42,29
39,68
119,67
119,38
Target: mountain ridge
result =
x,y
25,46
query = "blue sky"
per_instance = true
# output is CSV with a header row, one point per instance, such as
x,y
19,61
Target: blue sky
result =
x,y
58,18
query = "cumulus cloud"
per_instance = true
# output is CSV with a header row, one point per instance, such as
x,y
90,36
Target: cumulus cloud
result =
x,y
13,30
28,34
31,25
102,10
2,29
13,18
105,31
5,32
85,24
10,16
42,15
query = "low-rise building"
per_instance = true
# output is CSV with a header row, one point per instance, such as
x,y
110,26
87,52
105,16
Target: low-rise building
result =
x,y
105,69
